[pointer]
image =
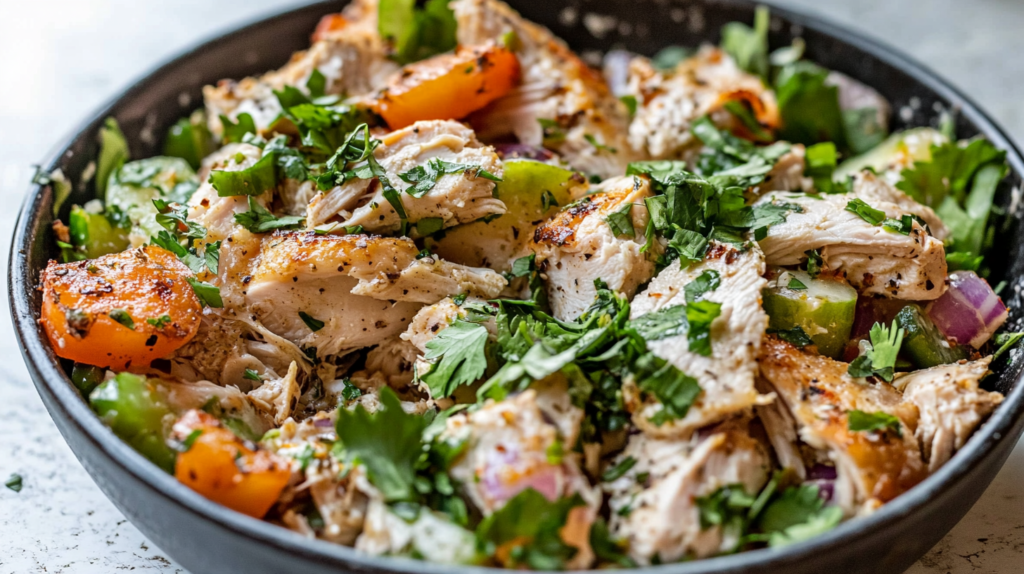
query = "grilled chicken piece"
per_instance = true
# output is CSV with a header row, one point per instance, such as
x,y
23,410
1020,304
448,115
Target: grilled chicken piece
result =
x,y
363,289
278,397
874,259
873,467
455,198
663,520
508,451
353,61
951,406
727,376
217,214
556,85
670,101
578,245
787,174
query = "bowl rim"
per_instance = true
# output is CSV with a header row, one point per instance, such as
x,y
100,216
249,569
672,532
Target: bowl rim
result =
x,y
1005,424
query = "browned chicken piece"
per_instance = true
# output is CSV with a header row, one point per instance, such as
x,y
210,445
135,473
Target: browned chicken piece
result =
x,y
873,467
588,123
951,406
579,245
338,293
351,57
670,101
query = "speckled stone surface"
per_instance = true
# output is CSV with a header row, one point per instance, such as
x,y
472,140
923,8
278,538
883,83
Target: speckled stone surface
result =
x,y
60,59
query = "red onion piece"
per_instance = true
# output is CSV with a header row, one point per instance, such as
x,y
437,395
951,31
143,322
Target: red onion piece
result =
x,y
821,472
323,423
826,488
969,312
523,151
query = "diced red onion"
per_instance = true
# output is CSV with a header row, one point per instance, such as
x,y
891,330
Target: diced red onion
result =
x,y
969,312
511,151
324,423
821,472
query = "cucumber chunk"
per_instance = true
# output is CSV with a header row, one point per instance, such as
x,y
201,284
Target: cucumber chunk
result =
x,y
899,150
923,343
823,308
133,188
93,235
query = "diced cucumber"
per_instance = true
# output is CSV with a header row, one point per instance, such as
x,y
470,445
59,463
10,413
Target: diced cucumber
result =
x,y
824,308
93,235
531,191
133,408
899,150
132,189
922,341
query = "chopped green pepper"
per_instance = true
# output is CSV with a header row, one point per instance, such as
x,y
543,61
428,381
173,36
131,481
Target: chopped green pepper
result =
x,y
135,411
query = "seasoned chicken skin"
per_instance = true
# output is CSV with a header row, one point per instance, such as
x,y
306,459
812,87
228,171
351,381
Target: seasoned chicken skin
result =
x,y
727,376
366,289
951,406
670,101
873,467
556,86
455,198
658,516
875,260
578,245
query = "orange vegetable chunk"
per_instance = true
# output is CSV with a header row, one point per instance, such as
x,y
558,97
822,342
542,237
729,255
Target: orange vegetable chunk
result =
x,y
121,309
225,469
448,86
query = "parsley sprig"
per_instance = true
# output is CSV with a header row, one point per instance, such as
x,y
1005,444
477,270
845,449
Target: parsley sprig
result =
x,y
879,356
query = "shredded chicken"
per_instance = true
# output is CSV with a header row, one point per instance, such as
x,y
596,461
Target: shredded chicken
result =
x,y
579,245
455,197
951,406
727,376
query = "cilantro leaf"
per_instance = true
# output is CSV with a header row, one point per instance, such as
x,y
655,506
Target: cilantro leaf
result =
x,y
260,220
253,180
700,315
879,359
523,266
728,507
252,376
798,513
14,482
814,262
462,350
621,221
749,46
160,322
387,442
532,524
618,470
607,548
675,390
663,323
707,281
903,225
234,132
865,211
809,106
795,336
209,295
860,421
950,170
598,145
316,84
122,317
796,284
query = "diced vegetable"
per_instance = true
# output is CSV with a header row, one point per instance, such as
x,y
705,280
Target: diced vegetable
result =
x,y
531,191
98,312
223,468
86,378
416,30
113,154
133,188
824,308
969,312
93,235
899,150
449,86
923,342
189,139
133,408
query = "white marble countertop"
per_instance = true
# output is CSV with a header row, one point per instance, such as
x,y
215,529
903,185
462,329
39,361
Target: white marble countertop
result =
x,y
60,59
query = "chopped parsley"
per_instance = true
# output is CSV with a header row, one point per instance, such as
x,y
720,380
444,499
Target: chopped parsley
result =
x,y
424,177
113,154
865,211
621,221
796,284
707,281
749,46
416,30
700,315
160,322
618,470
532,525
14,482
236,131
814,262
122,317
252,375
209,295
598,145
903,225
523,266
313,324
795,336
860,421
253,180
260,220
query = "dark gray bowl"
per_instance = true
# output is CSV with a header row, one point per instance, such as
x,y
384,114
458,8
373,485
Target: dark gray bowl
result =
x,y
206,537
